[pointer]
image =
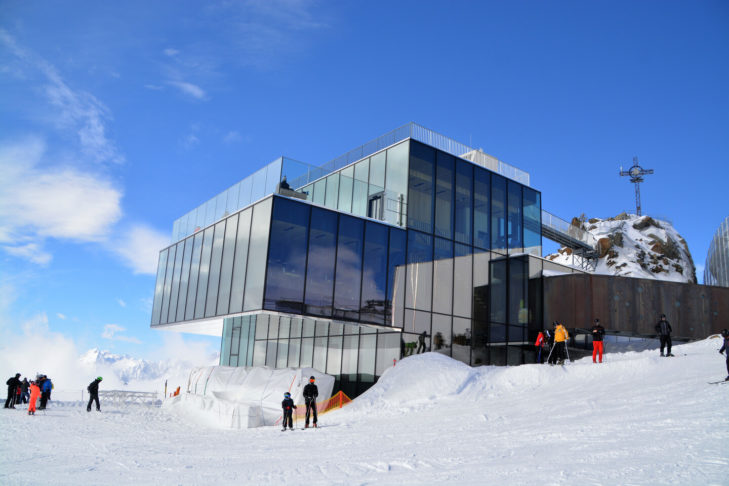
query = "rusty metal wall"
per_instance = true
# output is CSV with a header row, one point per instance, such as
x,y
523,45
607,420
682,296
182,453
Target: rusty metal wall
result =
x,y
634,306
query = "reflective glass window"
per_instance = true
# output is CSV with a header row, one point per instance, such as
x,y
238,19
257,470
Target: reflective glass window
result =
x,y
377,173
259,353
244,196
346,180
294,353
320,191
257,250
479,345
396,184
464,201
498,291
284,327
308,327
259,185
226,268
332,194
184,279
159,286
202,281
518,311
498,213
419,279
374,274
444,195
322,328
176,274
321,262
443,276
168,283
309,191
418,322
216,258
388,351
194,272
262,327
271,352
273,175
441,334
287,256
532,222
273,327
366,361
334,356
320,354
396,258
240,261
420,187
282,355
349,268
251,341
515,217
359,196
295,327
307,352
481,200
462,339
462,280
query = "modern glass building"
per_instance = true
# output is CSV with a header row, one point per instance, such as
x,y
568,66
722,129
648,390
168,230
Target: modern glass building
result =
x,y
716,271
410,243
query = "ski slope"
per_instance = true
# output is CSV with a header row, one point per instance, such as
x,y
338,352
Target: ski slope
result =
x,y
635,419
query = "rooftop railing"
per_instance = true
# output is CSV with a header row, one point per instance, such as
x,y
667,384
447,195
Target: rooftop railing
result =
x,y
568,230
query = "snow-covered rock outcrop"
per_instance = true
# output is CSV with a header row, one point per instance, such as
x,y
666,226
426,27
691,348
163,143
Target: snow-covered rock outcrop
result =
x,y
636,246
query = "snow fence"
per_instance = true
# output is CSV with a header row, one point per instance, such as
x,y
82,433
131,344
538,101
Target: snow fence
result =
x,y
238,397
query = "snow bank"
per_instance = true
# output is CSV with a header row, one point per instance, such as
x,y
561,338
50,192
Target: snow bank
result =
x,y
228,397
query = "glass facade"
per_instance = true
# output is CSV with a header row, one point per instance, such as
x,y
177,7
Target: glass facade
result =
x,y
716,271
408,250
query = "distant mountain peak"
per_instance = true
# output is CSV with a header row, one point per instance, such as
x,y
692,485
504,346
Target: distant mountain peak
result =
x,y
636,246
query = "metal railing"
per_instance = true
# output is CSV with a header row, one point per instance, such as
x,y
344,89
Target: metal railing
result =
x,y
569,230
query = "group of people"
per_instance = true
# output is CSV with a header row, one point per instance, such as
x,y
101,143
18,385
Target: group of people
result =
x,y
20,392
555,343
311,392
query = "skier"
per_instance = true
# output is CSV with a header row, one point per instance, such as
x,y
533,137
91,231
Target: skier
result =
x,y
93,389
597,334
25,390
288,405
34,394
46,388
560,342
310,393
13,383
539,343
663,328
725,347
421,342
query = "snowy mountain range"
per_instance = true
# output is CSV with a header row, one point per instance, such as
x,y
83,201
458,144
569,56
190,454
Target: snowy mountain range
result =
x,y
636,246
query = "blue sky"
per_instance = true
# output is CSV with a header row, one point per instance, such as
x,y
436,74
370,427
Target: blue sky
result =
x,y
118,118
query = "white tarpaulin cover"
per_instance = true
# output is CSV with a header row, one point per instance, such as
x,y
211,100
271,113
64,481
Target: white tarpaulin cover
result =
x,y
238,397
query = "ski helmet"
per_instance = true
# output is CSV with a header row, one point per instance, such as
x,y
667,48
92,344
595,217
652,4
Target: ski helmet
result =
x,y
287,395
725,333
312,379
99,378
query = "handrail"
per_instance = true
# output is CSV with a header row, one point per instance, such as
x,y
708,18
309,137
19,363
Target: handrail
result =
x,y
561,226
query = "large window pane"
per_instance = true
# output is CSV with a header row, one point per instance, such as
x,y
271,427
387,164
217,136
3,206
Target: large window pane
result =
x,y
377,173
240,262
532,222
481,261
518,313
420,271
481,200
444,195
176,281
396,258
388,351
462,281
349,268
515,218
215,260
258,248
320,266
443,276
420,187
462,340
184,279
287,256
332,194
374,274
396,184
441,334
464,201
307,353
346,180
334,356
159,286
359,196
168,284
498,291
202,282
320,191
498,213
194,272
320,354
226,269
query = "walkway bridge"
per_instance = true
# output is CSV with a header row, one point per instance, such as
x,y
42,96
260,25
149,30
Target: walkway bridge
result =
x,y
582,243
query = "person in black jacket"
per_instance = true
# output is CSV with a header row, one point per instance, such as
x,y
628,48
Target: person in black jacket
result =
x,y
93,389
597,334
663,328
288,410
310,393
25,390
13,384
725,347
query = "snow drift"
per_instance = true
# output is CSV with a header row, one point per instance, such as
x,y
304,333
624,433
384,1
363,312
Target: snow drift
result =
x,y
239,398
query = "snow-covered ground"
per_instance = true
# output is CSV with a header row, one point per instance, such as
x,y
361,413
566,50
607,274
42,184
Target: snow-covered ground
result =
x,y
635,419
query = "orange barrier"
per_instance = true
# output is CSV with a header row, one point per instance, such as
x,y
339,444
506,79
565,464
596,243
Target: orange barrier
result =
x,y
338,400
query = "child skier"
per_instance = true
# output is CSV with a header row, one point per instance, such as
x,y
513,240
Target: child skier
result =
x,y
34,394
288,405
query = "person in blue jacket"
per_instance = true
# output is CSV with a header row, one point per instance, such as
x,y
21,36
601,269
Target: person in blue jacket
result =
x,y
725,347
46,388
288,409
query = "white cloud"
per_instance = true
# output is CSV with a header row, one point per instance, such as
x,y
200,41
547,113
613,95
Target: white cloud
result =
x,y
232,136
121,302
171,52
189,89
61,316
139,248
190,141
60,202
112,332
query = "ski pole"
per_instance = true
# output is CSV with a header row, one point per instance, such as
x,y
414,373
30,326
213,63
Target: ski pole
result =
x,y
550,351
567,349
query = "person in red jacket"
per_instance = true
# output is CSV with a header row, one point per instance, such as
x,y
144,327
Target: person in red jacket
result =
x,y
540,343
34,394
